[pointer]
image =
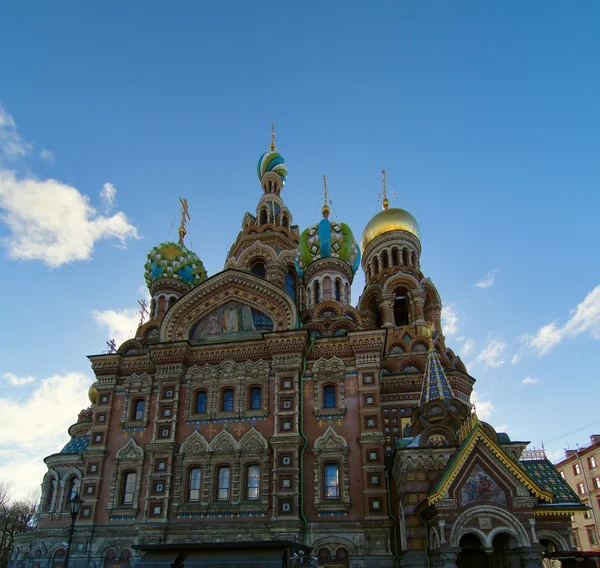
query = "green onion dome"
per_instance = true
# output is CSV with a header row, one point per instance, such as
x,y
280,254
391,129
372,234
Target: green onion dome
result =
x,y
173,260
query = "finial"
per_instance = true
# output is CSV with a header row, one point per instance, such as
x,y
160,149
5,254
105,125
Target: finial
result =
x,y
325,209
143,310
386,202
272,137
185,216
112,346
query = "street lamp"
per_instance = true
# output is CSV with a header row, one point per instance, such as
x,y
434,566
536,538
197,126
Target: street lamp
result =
x,y
74,505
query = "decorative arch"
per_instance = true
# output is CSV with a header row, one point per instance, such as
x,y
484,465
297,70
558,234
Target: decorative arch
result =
x,y
223,443
509,522
561,544
257,249
131,450
76,473
400,279
49,484
228,286
333,542
253,441
131,347
195,443
434,538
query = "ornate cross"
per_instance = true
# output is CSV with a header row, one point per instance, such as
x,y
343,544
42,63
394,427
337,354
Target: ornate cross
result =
x,y
185,216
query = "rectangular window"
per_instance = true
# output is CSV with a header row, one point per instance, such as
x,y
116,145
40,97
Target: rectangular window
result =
x,y
201,398
576,538
576,469
592,462
587,514
581,489
194,484
252,482
129,488
597,482
223,487
592,537
562,474
331,478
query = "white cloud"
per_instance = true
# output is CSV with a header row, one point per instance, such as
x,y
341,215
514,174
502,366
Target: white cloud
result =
x,y
468,347
515,359
12,146
529,381
107,194
449,320
489,279
47,156
54,222
492,354
121,325
17,381
484,408
585,318
32,428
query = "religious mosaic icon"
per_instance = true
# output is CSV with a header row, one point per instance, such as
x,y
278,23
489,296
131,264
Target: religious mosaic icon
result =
x,y
231,321
481,487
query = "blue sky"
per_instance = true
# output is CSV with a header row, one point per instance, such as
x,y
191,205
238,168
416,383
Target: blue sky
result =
x,y
484,114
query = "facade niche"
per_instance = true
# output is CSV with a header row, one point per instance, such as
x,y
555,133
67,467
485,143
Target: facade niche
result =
x,y
401,307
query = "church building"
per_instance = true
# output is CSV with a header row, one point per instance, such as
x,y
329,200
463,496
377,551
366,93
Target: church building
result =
x,y
259,417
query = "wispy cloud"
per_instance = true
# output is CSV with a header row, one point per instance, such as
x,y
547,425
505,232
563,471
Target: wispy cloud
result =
x,y
485,408
489,280
449,320
492,355
515,358
528,381
53,222
585,318
107,194
12,146
121,325
47,156
32,428
17,381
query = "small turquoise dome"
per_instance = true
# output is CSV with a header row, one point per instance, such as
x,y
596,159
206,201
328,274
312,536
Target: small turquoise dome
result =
x,y
173,260
271,161
324,240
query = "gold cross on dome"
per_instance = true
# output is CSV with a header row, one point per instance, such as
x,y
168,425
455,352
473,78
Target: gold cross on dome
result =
x,y
185,216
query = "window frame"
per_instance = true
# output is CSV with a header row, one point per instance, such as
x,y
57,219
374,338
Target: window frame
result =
x,y
221,486
252,402
191,485
137,414
226,391
326,482
592,462
197,396
252,482
576,469
125,483
327,388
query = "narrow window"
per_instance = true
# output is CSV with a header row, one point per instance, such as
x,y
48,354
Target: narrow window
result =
x,y
264,219
576,469
258,268
581,488
326,288
128,488
201,402
285,222
227,400
405,257
255,398
331,478
375,265
592,462
338,290
329,398
49,494
223,483
252,482
317,292
401,308
290,284
72,488
194,484
395,257
138,410
413,260
385,262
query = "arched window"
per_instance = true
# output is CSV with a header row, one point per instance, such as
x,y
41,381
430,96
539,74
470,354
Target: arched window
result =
x,y
317,292
252,482
201,402
258,268
385,261
326,288
227,400
128,488
413,260
338,290
375,265
172,300
264,218
405,256
255,398
137,411
329,398
285,222
331,489
395,257
223,481
49,494
401,307
290,284
72,492
347,293
194,482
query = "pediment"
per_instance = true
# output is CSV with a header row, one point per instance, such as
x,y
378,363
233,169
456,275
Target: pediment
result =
x,y
233,305
195,443
131,450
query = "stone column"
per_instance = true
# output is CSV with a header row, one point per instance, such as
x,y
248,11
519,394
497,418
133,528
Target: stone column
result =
x,y
386,305
417,301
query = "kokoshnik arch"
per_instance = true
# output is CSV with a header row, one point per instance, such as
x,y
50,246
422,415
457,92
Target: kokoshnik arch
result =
x,y
259,405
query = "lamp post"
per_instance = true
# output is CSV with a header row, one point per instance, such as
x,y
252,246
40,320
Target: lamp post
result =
x,y
74,505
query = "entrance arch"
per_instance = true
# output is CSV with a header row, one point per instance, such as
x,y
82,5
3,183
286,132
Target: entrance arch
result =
x,y
472,554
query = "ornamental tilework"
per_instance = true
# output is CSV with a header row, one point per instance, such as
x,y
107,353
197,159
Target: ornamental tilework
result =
x,y
76,445
547,477
435,383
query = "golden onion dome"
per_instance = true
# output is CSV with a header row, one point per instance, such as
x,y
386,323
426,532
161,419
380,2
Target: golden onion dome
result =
x,y
391,219
93,393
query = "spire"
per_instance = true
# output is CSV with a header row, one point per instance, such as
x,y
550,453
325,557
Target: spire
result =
x,y
386,202
435,383
325,209
185,217
272,137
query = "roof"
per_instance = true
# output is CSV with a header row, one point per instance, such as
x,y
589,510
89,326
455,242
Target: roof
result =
x,y
435,383
76,445
564,499
478,434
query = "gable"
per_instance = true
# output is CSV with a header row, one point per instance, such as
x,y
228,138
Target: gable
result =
x,y
230,306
